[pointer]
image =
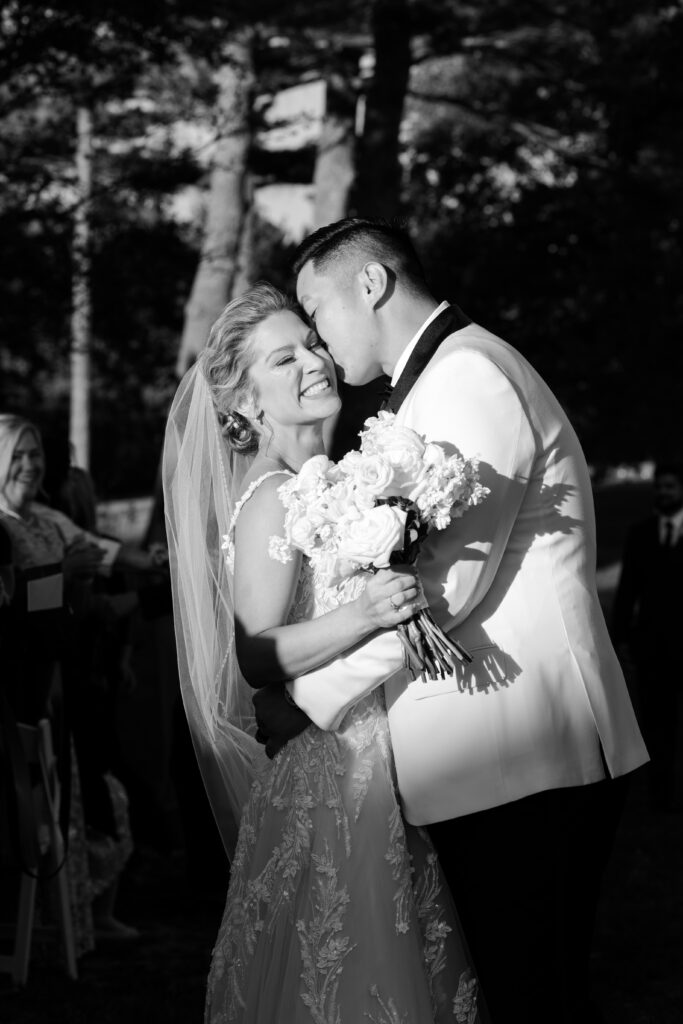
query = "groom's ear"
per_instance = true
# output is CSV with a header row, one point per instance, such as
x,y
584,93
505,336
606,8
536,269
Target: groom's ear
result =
x,y
374,282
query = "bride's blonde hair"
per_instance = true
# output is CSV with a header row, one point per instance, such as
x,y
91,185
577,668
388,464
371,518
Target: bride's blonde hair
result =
x,y
226,359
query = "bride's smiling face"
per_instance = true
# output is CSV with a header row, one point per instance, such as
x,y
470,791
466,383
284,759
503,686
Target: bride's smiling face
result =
x,y
292,372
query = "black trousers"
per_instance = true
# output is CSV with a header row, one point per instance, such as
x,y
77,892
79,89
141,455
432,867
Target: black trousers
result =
x,y
659,699
526,879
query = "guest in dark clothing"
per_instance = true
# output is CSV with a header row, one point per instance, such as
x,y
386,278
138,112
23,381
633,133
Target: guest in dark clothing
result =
x,y
648,612
6,572
68,487
52,614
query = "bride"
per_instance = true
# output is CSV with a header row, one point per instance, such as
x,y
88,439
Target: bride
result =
x,y
336,910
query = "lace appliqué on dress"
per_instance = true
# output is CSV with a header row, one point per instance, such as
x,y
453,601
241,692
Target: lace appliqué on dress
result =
x,y
228,545
323,948
431,916
398,859
466,1002
387,1013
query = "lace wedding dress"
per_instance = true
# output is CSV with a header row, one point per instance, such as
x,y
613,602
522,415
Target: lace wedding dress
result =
x,y
336,912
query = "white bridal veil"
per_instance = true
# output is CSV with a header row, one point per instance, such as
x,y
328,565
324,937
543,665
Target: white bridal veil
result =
x,y
202,478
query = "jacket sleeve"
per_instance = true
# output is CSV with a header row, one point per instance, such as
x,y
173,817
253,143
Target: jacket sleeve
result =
x,y
465,402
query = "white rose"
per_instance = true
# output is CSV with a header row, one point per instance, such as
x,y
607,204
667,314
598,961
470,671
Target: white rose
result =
x,y
386,436
409,471
339,501
434,455
373,474
347,465
302,533
402,448
312,473
371,539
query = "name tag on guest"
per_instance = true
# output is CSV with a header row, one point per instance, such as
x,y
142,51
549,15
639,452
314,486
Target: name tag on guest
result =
x,y
44,589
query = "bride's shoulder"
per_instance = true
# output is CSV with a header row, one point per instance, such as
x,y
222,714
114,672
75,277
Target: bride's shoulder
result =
x,y
259,514
260,491
263,478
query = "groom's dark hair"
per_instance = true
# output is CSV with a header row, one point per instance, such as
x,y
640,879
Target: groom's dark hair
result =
x,y
359,237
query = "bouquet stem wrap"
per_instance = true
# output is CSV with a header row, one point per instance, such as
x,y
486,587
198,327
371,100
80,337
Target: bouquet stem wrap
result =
x,y
427,651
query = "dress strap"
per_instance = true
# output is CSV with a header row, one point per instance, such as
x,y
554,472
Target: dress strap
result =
x,y
228,541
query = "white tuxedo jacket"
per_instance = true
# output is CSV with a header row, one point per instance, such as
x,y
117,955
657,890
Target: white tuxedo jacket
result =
x,y
544,703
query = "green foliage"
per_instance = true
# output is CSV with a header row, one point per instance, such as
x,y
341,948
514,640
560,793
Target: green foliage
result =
x,y
142,263
544,191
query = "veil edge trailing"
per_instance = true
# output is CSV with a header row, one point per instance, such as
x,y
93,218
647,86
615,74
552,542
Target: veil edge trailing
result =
x,y
202,480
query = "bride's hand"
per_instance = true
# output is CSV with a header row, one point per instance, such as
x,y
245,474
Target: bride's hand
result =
x,y
390,596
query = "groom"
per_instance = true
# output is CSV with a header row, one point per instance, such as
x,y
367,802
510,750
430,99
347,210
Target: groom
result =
x,y
514,764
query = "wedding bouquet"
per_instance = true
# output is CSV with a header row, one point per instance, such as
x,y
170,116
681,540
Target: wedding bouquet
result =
x,y
373,509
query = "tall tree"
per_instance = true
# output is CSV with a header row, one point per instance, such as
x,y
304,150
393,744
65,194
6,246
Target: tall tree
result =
x,y
378,184
335,165
227,205
79,420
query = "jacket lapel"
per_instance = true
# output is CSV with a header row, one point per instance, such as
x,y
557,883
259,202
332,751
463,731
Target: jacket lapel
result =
x,y
449,320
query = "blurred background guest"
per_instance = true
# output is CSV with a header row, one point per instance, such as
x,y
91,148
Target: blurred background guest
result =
x,y
647,617
124,672
100,667
47,673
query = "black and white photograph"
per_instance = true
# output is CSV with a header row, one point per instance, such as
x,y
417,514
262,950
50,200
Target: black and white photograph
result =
x,y
341,512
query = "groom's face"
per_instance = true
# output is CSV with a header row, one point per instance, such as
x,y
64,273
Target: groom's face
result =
x,y
333,302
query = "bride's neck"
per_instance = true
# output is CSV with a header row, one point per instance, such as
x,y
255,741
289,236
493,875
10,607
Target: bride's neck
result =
x,y
291,448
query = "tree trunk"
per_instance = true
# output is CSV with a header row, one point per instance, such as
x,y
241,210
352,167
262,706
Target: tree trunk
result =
x,y
378,185
227,201
244,271
335,160
79,411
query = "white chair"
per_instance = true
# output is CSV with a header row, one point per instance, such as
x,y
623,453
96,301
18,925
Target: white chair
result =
x,y
50,867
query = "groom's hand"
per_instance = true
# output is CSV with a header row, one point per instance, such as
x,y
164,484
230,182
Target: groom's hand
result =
x,y
278,719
